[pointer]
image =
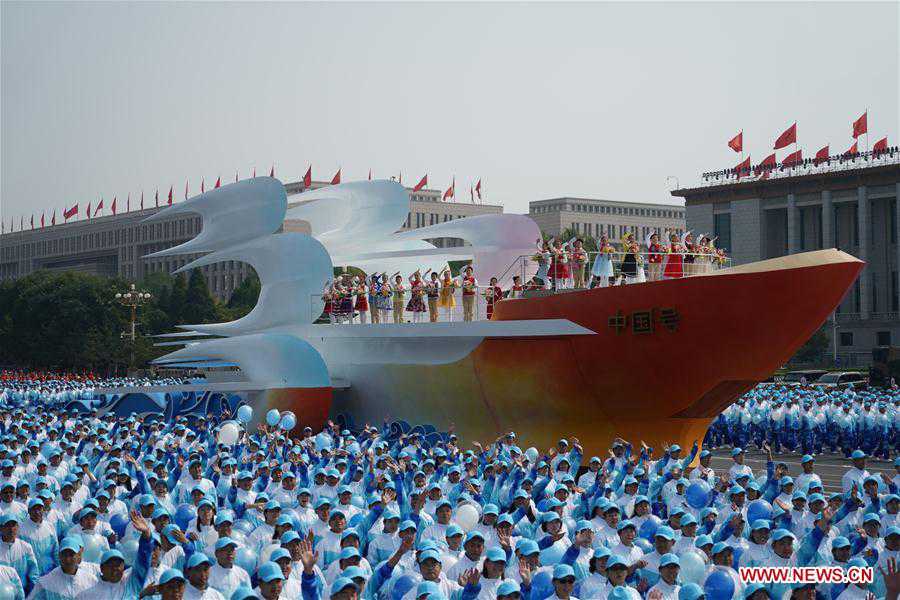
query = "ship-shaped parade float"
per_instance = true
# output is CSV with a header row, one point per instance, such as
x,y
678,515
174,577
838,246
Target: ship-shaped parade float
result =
x,y
654,361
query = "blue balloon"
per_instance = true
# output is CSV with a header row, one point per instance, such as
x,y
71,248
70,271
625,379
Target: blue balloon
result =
x,y
698,494
736,552
288,422
245,558
648,528
129,549
119,522
759,509
184,514
643,544
243,526
244,414
718,586
272,417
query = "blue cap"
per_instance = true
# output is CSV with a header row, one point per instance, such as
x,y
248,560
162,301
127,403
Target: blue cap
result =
x,y
665,532
270,571
349,552
244,593
872,518
624,524
528,547
280,553
690,591
703,540
806,458
616,561
759,524
170,574
561,571
841,542
688,519
496,555
109,555
602,552
720,547
737,451
407,524
669,559
224,516
780,534
473,535
508,587
858,454
453,530
197,559
224,542
423,556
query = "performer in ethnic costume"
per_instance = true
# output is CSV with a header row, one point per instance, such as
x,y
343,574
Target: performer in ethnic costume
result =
x,y
416,303
362,299
399,295
657,252
674,268
374,288
384,297
629,262
447,299
603,268
469,285
543,259
493,295
516,290
433,289
577,262
559,268
690,256
346,293
329,305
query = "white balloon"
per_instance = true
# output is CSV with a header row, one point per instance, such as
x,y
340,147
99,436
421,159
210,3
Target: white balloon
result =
x,y
229,433
466,517
532,454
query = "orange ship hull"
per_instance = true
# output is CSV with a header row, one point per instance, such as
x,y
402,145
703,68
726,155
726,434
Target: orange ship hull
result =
x,y
665,359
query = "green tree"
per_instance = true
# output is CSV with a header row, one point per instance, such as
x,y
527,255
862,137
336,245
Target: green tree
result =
x,y
177,301
199,306
815,349
244,297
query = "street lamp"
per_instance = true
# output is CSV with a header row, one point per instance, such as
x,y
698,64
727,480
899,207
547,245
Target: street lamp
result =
x,y
132,298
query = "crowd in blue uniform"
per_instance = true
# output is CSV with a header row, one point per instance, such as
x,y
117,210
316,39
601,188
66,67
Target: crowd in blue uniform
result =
x,y
104,507
812,420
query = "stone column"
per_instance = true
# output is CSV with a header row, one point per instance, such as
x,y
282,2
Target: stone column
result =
x,y
862,223
827,220
793,241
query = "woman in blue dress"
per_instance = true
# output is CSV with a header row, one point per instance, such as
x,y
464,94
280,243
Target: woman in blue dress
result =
x,y
603,267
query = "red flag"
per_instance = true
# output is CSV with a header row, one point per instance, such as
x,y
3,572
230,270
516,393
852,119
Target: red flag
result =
x,y
42,220
32,221
99,207
68,214
788,137
113,207
157,197
451,191
861,126
821,156
88,213
478,189
793,158
737,142
422,183
370,174
880,145
171,189
218,182
142,199
743,167
203,185
272,171
53,220
185,190
852,150
254,171
337,178
768,162
307,179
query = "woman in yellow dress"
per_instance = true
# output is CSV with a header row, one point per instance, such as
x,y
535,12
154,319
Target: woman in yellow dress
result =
x,y
448,288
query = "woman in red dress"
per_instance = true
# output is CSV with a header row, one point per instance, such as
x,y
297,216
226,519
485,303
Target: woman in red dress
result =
x,y
674,267
362,300
493,295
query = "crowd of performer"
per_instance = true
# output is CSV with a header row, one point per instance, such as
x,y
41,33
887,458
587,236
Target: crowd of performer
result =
x,y
432,296
812,420
102,507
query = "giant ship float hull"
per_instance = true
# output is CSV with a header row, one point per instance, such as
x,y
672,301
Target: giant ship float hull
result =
x,y
663,359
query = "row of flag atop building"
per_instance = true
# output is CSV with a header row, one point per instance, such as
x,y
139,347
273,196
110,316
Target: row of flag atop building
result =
x,y
859,127
96,210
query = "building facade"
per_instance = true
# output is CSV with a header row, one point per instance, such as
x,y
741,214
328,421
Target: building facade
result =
x,y
117,245
594,217
853,208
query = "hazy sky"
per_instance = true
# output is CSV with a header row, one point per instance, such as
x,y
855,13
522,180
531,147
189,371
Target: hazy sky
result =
x,y
539,100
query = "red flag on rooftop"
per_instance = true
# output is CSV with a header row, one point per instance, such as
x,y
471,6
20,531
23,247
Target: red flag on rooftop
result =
x,y
768,162
113,207
171,189
32,221
787,138
272,171
185,190
254,171
337,178
861,126
88,212
42,220
793,158
880,145
307,179
821,156
743,167
99,207
53,220
478,189
68,214
370,174
451,191
203,185
156,197
737,142
422,183
852,150
218,182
